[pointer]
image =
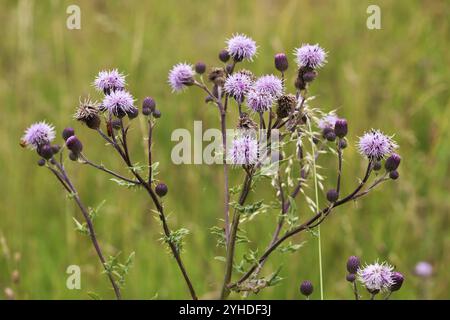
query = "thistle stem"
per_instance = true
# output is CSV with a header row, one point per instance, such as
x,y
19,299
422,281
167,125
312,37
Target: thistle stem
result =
x,y
316,193
65,181
126,158
232,240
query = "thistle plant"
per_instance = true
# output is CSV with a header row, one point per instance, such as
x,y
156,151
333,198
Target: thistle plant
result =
x,y
39,137
279,141
111,119
306,133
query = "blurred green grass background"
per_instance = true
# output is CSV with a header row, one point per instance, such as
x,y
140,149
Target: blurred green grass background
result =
x,y
395,79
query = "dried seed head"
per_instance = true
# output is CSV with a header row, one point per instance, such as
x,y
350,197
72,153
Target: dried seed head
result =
x,y
246,123
286,105
87,112
217,76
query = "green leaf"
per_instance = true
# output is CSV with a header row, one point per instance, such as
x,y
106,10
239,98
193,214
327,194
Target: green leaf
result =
x,y
81,227
126,184
292,247
220,258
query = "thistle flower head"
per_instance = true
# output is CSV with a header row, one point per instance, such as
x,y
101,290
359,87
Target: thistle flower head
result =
x,y
238,85
109,80
270,84
259,101
376,276
311,56
38,134
180,76
327,122
375,145
244,150
423,269
241,47
119,103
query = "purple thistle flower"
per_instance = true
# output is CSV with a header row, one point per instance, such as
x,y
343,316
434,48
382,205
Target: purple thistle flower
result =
x,y
259,101
38,134
119,103
271,84
111,80
375,145
181,75
376,276
244,150
327,122
423,269
241,47
238,85
311,56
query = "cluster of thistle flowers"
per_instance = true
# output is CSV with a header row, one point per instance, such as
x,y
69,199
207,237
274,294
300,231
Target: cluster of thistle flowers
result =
x,y
116,104
265,98
376,278
262,93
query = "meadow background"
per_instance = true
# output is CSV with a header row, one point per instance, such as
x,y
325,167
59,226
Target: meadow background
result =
x,y
395,79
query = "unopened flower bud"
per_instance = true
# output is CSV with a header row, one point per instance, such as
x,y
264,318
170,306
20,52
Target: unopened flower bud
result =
x,y
200,67
157,114
309,76
45,151
332,195
330,136
281,62
148,103
342,143
41,162
67,133
341,128
377,165
351,277
74,144
133,113
224,55
353,264
397,278
73,156
229,68
394,175
55,148
115,124
306,288
392,162
161,189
